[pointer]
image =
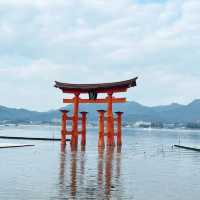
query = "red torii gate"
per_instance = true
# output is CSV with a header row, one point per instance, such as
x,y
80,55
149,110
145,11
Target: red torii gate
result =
x,y
93,90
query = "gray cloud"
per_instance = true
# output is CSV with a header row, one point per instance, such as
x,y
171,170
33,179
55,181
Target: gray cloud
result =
x,y
96,41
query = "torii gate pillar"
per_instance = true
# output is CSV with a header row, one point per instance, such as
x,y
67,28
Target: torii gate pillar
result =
x,y
83,138
119,128
101,128
64,126
74,139
110,122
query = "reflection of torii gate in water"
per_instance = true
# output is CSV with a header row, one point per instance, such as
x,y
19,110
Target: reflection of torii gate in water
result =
x,y
93,90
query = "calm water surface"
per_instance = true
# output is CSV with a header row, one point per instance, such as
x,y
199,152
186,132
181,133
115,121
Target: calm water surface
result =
x,y
146,167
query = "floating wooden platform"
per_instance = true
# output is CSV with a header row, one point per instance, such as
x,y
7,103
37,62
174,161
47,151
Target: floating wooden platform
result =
x,y
31,138
7,145
189,148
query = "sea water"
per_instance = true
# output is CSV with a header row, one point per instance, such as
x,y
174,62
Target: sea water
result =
x,y
146,167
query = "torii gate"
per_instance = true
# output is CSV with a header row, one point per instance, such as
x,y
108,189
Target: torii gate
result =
x,y
93,90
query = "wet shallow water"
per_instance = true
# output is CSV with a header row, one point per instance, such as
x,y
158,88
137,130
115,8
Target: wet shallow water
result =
x,y
146,167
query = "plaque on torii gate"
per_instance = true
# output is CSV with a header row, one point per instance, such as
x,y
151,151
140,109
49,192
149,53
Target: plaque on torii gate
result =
x,y
93,90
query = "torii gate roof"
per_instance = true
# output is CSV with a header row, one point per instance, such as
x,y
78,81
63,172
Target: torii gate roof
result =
x,y
120,86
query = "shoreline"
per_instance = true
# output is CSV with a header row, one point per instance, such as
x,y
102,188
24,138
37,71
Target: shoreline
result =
x,y
2,127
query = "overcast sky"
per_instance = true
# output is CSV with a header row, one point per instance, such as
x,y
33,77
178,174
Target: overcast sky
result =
x,y
86,41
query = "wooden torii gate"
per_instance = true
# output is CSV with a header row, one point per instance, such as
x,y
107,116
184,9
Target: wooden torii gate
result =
x,y
93,90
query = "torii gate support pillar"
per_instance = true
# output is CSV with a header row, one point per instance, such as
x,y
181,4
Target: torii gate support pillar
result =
x,y
119,128
83,132
110,122
74,140
64,127
101,128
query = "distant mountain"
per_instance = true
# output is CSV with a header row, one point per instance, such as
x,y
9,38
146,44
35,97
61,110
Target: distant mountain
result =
x,y
19,115
167,107
133,111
